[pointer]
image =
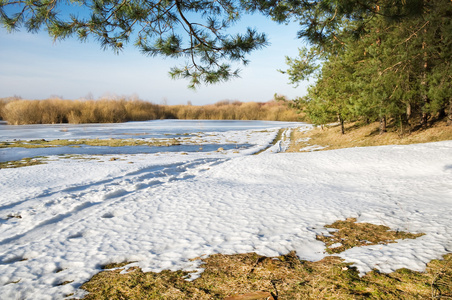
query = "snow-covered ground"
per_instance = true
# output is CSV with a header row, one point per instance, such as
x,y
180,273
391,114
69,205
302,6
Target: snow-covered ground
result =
x,y
61,221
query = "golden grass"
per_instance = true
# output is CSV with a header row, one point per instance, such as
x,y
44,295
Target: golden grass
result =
x,y
90,142
3,102
26,162
236,110
252,276
351,234
52,111
358,135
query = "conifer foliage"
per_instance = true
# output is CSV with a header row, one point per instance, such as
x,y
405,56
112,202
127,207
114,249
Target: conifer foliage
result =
x,y
377,60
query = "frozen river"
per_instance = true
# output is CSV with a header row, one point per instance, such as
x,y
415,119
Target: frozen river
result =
x,y
191,136
146,129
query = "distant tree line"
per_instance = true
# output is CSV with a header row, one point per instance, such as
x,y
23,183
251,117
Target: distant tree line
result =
x,y
53,111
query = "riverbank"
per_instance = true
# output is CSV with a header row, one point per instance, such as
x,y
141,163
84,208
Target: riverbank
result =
x,y
329,137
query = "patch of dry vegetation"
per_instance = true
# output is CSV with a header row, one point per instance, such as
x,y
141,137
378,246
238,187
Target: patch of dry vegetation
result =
x,y
26,162
251,276
350,234
90,142
54,111
279,136
236,110
358,135
3,102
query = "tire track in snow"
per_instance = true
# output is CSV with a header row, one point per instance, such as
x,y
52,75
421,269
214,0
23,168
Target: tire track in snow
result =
x,y
84,187
280,143
95,197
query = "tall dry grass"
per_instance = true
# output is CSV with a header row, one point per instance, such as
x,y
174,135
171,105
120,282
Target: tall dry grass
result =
x,y
51,111
3,102
235,110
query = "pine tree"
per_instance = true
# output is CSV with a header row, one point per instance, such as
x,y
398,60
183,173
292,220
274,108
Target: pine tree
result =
x,y
392,63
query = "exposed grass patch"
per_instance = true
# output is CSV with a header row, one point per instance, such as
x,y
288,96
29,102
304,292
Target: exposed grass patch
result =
x,y
115,265
14,216
367,135
252,276
65,282
283,277
38,160
350,234
90,142
79,157
278,137
25,162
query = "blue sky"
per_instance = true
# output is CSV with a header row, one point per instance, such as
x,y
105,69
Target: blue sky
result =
x,y
32,66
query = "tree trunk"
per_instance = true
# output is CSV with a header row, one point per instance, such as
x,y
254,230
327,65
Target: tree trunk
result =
x,y
401,126
341,120
425,115
449,113
382,124
424,119
442,113
408,111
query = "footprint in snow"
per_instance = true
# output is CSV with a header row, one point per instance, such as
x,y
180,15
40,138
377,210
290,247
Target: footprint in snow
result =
x,y
108,215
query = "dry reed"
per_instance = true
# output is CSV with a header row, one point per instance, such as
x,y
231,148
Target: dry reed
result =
x,y
52,111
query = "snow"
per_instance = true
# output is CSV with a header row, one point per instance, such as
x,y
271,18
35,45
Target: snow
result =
x,y
160,210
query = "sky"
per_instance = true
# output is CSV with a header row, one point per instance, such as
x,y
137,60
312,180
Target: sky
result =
x,y
33,66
